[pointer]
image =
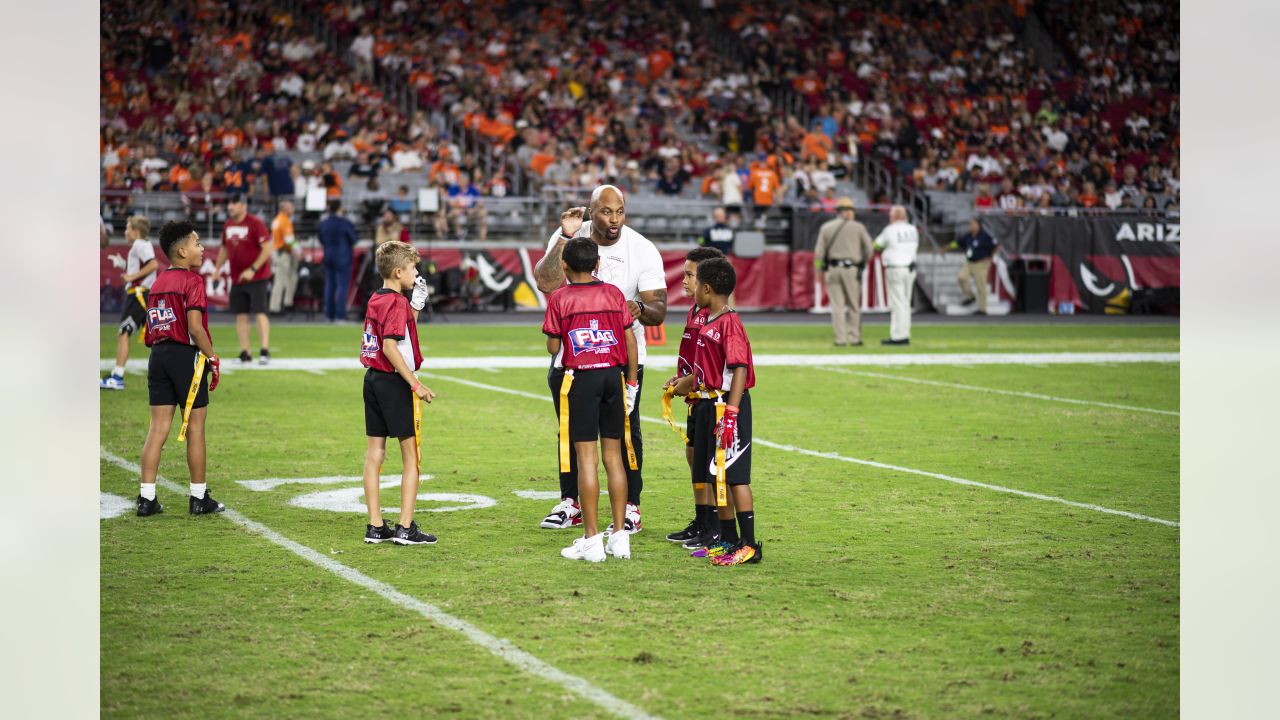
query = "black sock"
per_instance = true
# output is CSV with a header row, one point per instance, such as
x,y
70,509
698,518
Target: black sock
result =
x,y
706,518
728,530
747,523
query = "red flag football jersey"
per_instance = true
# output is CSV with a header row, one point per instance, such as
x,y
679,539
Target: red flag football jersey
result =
x,y
693,323
589,318
723,346
389,317
174,292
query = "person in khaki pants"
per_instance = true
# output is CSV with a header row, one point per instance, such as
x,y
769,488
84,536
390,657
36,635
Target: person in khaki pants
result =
x,y
979,247
284,259
842,251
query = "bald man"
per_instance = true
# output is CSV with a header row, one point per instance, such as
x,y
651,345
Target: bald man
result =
x,y
898,243
631,263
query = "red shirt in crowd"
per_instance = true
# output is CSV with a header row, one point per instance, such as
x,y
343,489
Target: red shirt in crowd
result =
x,y
693,323
389,317
723,346
244,241
175,291
589,318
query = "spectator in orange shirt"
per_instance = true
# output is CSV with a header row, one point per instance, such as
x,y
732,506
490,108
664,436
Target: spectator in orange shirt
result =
x,y
284,259
764,184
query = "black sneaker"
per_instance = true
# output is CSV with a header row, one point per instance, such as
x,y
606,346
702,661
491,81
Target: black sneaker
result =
x,y
245,357
149,507
888,341
686,534
412,535
264,356
706,539
204,505
374,535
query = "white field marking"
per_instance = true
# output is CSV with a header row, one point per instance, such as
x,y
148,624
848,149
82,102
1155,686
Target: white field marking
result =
x,y
859,461
537,494
541,362
500,647
110,506
272,483
351,500
314,371
997,391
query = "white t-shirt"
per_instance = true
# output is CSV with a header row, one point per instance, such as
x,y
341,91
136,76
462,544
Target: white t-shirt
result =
x,y
633,265
140,253
899,241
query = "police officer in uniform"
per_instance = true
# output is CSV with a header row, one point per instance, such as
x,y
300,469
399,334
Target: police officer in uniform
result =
x,y
899,241
842,251
719,235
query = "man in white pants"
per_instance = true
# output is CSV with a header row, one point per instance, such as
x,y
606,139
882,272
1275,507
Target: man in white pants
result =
x,y
898,243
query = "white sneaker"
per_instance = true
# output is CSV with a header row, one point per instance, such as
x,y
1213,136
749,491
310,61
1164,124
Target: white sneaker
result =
x,y
566,514
619,545
590,549
630,521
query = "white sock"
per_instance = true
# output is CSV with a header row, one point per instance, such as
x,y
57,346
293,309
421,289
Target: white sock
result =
x,y
148,491
197,491
118,371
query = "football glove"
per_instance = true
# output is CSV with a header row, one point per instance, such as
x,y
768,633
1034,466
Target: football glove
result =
x,y
633,390
214,363
420,293
728,429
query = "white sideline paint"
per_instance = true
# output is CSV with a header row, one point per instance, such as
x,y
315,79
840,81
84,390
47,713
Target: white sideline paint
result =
x,y
537,494
997,391
272,483
110,506
502,648
859,461
541,362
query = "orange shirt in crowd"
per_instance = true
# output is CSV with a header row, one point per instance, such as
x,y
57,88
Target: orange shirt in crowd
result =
x,y
445,169
281,229
541,161
817,145
1088,200
659,61
763,183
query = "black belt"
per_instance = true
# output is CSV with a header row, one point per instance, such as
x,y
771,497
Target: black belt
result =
x,y
912,266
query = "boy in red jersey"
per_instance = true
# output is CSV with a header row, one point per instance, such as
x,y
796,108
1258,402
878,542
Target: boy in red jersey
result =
x,y
390,351
178,335
583,324
723,371
704,511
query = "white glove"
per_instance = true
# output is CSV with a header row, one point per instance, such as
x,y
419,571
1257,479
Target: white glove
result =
x,y
116,260
633,390
420,293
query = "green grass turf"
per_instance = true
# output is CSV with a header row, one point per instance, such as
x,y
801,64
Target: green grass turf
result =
x,y
882,593
455,339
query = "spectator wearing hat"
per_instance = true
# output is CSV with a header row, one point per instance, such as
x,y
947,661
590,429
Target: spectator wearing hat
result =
x,y
841,253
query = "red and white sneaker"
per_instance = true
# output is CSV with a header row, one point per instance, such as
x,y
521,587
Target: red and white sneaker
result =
x,y
630,522
567,514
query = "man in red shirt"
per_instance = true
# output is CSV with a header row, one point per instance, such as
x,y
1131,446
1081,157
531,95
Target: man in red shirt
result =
x,y
583,324
178,335
704,509
723,371
246,242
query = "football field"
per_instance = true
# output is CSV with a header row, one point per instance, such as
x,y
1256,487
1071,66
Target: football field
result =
x,y
983,524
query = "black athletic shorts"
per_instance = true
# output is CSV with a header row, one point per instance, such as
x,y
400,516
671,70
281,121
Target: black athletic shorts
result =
x,y
737,459
250,297
169,374
388,405
597,405
133,316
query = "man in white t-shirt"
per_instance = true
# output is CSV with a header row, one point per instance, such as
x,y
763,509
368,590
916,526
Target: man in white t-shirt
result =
x,y
898,243
631,263
139,273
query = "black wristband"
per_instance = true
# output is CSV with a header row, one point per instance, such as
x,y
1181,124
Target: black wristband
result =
x,y
642,307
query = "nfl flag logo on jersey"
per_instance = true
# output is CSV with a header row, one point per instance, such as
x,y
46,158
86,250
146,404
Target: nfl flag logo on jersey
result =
x,y
591,339
160,317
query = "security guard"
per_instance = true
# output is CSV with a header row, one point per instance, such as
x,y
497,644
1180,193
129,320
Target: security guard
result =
x,y
842,251
978,248
899,241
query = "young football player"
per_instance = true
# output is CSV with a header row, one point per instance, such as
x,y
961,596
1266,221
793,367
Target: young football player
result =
x,y
723,371
391,390
139,274
704,521
588,329
178,335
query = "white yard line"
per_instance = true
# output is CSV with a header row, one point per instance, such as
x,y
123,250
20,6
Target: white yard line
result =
x,y
997,391
527,362
502,648
857,461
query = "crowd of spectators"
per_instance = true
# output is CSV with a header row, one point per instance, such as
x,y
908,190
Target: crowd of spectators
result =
x,y
201,97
